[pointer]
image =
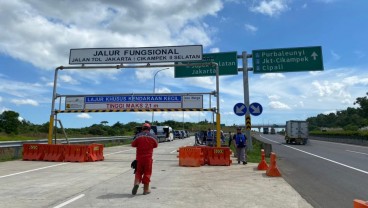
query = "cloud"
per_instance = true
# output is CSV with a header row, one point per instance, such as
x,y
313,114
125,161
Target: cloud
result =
x,y
84,115
79,26
271,7
21,89
272,76
68,79
274,97
328,1
24,102
355,80
250,28
163,90
278,105
335,55
178,116
1,99
214,50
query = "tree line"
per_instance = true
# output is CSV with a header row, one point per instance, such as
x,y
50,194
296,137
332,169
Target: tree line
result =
x,y
10,124
350,119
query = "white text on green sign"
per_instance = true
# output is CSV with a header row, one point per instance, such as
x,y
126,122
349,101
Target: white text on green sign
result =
x,y
287,60
227,63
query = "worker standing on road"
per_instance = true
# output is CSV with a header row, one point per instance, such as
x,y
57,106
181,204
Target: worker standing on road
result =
x,y
230,138
241,146
145,142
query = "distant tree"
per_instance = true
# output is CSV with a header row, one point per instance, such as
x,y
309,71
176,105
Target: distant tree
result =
x,y
363,103
9,122
104,122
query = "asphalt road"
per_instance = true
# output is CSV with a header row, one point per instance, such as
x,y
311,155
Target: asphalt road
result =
x,y
326,174
109,183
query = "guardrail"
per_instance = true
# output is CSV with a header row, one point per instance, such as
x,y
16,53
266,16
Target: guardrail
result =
x,y
13,149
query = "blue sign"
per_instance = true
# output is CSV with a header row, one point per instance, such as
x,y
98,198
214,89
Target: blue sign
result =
x,y
255,109
240,109
134,98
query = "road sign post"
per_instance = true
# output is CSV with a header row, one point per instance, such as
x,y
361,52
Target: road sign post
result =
x,y
287,60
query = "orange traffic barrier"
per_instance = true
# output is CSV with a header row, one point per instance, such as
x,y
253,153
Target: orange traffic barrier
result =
x,y
76,153
273,171
54,152
95,152
360,203
219,156
190,156
205,150
33,151
263,164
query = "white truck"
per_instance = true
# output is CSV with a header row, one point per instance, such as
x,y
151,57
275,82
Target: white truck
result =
x,y
296,131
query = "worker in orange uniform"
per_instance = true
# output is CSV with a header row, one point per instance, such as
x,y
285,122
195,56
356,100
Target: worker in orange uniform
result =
x,y
144,142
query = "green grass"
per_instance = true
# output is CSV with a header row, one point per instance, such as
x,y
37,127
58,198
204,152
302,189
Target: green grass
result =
x,y
118,143
253,156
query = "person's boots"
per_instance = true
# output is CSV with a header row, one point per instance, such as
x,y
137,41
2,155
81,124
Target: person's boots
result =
x,y
146,189
135,187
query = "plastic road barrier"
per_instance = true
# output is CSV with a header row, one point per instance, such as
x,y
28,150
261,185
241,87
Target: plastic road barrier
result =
x,y
54,152
263,164
273,171
190,156
360,203
219,156
33,151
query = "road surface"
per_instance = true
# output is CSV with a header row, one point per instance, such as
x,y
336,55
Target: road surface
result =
x,y
326,174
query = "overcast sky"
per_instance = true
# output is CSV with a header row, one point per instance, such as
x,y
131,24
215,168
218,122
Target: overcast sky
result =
x,y
36,37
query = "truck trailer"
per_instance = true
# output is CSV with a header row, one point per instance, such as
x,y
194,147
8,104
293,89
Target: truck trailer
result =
x,y
297,132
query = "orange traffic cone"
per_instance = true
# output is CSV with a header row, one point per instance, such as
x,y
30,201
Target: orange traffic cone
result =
x,y
262,165
273,171
360,203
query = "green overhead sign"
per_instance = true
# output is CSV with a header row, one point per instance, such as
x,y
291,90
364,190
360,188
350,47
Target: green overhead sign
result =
x,y
287,60
227,62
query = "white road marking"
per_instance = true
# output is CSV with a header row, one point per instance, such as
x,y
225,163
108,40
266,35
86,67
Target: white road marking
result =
x,y
174,151
27,171
119,152
338,163
357,152
69,201
270,140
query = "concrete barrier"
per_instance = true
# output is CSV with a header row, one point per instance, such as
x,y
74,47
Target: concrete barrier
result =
x,y
357,141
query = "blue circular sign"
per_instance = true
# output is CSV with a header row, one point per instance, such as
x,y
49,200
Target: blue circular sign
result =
x,y
255,109
240,109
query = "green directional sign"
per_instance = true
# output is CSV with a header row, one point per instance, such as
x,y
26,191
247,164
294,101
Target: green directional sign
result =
x,y
287,60
227,62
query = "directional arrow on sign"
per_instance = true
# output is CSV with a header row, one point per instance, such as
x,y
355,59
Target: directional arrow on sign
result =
x,y
314,55
239,110
255,109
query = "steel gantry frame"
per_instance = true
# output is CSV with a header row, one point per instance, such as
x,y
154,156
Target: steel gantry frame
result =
x,y
55,96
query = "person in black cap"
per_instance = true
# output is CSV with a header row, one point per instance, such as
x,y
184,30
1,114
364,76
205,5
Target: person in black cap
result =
x,y
241,146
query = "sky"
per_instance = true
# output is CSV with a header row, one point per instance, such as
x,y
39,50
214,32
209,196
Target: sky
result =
x,y
36,37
